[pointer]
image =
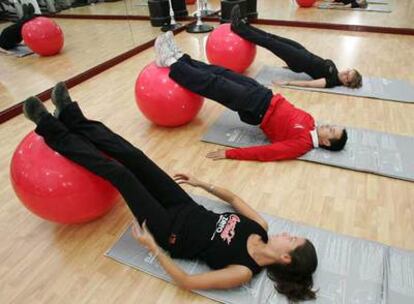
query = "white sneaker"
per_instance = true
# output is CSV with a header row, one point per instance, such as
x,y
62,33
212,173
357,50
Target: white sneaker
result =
x,y
169,37
164,55
156,47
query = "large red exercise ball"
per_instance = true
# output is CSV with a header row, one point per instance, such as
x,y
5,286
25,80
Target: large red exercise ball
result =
x,y
56,188
162,100
305,3
43,36
227,49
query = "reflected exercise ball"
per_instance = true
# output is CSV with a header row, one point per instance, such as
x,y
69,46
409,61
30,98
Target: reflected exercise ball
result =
x,y
43,36
305,3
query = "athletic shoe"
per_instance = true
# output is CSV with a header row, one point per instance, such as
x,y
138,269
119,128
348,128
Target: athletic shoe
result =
x,y
34,109
60,98
164,55
169,37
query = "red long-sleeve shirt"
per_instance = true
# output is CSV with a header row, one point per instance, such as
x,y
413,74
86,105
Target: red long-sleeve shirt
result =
x,y
287,128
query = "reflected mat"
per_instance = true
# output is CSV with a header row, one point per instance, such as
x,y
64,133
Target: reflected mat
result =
x,y
19,51
372,7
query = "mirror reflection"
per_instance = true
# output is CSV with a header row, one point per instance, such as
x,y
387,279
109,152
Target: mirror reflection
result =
x,y
87,44
91,41
384,13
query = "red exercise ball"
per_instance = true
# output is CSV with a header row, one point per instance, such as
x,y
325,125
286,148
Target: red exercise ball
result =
x,y
162,100
227,49
43,36
190,1
305,3
56,188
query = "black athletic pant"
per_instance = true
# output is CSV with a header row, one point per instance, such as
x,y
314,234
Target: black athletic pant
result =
x,y
149,192
234,91
11,36
295,55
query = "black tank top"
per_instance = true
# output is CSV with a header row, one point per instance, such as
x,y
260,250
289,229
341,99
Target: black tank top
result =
x,y
217,239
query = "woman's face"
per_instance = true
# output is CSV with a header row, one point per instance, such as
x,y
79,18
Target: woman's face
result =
x,y
346,76
284,243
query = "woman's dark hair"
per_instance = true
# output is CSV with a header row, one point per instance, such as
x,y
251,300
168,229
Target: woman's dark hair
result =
x,y
294,280
356,81
337,144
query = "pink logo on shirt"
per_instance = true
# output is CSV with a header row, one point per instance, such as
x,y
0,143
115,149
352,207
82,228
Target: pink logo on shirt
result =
x,y
226,226
229,230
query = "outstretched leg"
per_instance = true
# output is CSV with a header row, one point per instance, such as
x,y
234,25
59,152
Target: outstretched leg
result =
x,y
165,190
81,151
226,73
236,92
291,52
253,34
166,45
248,31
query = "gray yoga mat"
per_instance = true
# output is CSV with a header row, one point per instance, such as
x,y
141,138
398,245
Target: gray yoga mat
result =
x,y
373,87
19,51
378,7
366,150
351,270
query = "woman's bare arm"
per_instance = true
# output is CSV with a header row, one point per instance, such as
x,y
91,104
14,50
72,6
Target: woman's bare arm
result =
x,y
229,277
315,83
235,201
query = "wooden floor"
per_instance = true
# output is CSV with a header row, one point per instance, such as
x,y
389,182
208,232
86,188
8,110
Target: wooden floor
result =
x,y
42,262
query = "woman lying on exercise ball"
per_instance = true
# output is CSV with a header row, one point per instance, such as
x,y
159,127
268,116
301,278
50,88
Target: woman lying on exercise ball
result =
x,y
235,244
323,71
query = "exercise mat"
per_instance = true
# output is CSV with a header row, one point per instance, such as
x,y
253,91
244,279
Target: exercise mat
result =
x,y
366,150
373,87
350,270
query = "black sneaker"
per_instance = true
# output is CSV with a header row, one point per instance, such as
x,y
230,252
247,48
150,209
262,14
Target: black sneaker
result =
x,y
30,10
235,16
34,109
25,9
60,97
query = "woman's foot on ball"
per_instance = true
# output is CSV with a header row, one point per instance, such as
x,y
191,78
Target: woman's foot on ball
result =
x,y
34,109
60,97
169,37
164,56
235,17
